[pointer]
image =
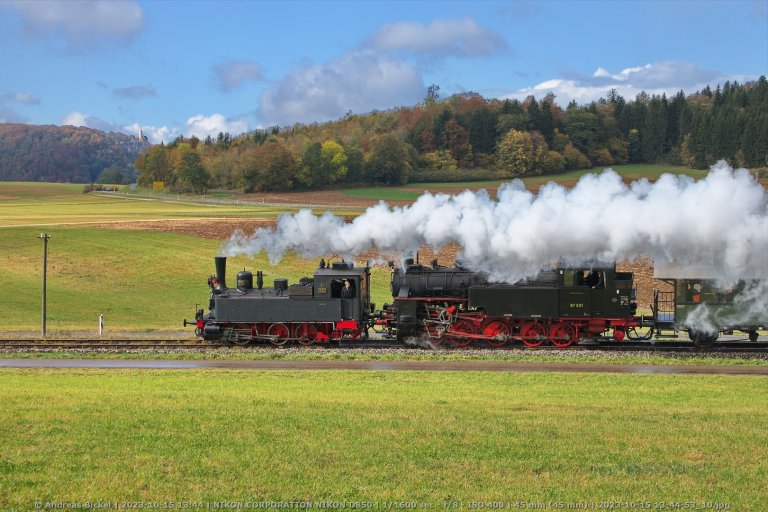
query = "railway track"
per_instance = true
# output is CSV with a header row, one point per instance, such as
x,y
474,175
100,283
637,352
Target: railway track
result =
x,y
96,343
735,346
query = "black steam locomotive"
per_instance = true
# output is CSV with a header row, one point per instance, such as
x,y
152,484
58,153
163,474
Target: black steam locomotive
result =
x,y
447,305
332,305
560,306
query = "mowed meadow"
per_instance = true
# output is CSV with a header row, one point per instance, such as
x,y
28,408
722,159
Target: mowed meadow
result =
x,y
447,440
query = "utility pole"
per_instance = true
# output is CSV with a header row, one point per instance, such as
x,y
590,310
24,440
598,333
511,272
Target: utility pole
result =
x,y
44,237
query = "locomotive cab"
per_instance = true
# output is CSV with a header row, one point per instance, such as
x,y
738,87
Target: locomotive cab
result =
x,y
347,284
596,292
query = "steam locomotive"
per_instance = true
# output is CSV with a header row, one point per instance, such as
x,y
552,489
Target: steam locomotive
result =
x,y
454,306
332,305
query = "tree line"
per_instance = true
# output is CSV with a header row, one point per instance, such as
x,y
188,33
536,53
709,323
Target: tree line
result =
x,y
467,137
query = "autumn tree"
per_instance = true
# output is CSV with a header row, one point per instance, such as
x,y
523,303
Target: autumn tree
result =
x,y
191,176
310,172
154,165
334,162
515,155
455,139
389,162
575,159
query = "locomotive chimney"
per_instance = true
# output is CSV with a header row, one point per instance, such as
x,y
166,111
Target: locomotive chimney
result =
x,y
221,272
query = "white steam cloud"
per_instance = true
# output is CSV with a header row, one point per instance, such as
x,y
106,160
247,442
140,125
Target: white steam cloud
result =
x,y
720,222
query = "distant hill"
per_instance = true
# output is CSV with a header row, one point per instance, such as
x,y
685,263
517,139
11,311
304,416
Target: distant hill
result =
x,y
66,154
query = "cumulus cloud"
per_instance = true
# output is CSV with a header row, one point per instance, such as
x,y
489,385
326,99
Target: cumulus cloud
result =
x,y
657,78
232,74
155,134
76,118
201,126
80,21
358,81
135,92
377,75
459,38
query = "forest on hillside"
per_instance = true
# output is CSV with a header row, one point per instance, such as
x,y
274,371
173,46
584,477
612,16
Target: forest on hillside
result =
x,y
466,137
67,154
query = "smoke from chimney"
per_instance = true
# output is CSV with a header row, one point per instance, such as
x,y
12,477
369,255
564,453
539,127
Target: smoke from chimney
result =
x,y
720,221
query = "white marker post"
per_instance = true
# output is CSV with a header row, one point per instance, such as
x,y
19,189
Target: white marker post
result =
x,y
101,325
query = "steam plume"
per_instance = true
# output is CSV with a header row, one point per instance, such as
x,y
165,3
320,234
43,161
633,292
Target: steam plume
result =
x,y
720,222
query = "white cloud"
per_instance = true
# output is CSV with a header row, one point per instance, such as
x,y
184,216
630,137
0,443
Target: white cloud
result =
x,y
76,118
234,73
155,134
357,81
80,21
460,38
201,126
658,78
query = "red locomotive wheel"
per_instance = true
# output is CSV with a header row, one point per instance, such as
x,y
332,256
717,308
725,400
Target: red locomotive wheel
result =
x,y
462,327
281,331
494,330
306,334
563,334
533,334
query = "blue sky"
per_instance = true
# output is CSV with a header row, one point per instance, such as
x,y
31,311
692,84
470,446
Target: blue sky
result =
x,y
200,67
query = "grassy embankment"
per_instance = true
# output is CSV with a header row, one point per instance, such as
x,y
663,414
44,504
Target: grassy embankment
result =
x,y
77,436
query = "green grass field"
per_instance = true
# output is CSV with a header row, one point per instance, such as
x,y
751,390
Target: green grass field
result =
x,y
91,435
411,191
50,204
139,280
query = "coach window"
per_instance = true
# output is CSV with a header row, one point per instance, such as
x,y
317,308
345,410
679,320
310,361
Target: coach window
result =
x,y
693,292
